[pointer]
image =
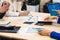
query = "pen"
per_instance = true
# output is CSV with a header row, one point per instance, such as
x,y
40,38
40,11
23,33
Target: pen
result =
x,y
9,23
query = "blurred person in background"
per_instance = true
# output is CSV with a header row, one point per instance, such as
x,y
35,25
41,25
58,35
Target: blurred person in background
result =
x,y
51,34
16,7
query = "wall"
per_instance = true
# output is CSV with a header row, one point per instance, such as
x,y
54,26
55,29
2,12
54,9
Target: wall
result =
x,y
56,1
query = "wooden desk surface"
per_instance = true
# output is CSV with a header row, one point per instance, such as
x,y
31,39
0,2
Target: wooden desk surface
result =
x,y
18,21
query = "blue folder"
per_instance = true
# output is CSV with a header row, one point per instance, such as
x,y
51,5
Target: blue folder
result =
x,y
53,9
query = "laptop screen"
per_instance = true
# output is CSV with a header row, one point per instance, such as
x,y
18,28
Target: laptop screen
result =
x,y
53,9
56,1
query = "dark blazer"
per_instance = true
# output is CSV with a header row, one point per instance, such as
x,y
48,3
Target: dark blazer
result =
x,y
24,7
2,15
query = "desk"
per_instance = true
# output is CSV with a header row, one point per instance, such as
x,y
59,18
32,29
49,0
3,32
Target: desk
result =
x,y
18,21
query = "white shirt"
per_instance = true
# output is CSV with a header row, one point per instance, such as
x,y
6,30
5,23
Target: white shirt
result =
x,y
19,6
12,14
13,8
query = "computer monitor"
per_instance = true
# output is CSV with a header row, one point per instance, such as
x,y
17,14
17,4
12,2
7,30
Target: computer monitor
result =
x,y
56,1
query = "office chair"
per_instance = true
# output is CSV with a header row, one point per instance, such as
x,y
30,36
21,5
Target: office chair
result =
x,y
24,7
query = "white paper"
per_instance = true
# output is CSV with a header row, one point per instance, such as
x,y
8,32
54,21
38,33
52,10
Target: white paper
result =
x,y
26,30
4,22
33,30
23,31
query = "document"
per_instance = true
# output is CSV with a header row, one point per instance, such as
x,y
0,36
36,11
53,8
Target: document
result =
x,y
33,30
28,31
4,22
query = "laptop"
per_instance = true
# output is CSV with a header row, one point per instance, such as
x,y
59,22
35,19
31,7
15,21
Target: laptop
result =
x,y
9,29
53,9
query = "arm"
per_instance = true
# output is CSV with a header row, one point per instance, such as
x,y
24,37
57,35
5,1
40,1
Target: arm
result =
x,y
24,13
51,18
52,34
5,7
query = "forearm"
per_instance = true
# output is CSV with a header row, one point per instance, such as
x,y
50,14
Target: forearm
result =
x,y
53,17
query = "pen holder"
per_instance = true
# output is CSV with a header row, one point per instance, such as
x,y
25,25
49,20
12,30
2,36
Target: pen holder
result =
x,y
58,20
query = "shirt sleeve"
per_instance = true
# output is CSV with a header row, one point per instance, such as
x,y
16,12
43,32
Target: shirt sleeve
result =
x,y
55,35
12,14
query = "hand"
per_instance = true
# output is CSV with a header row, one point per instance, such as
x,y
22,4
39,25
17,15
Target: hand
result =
x,y
58,11
44,32
24,13
5,7
47,18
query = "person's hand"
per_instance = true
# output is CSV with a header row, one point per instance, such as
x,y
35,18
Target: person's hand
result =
x,y
59,12
23,13
44,32
47,18
51,18
5,7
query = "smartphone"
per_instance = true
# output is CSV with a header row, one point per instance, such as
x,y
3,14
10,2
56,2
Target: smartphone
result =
x,y
44,23
28,22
